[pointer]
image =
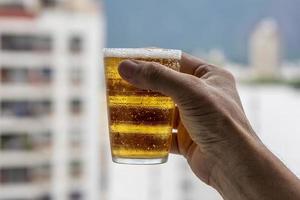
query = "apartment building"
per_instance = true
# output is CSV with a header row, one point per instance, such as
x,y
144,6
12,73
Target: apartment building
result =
x,y
50,99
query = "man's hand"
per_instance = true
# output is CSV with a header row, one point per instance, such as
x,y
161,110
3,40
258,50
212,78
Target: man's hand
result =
x,y
208,103
213,131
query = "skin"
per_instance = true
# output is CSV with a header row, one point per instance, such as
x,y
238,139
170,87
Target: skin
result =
x,y
214,134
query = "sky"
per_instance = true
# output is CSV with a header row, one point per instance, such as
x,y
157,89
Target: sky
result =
x,y
201,25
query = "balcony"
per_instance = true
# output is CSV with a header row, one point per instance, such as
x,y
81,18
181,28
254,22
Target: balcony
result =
x,y
30,43
19,82
21,158
33,124
24,191
76,194
25,109
21,91
25,142
39,173
23,74
24,182
14,58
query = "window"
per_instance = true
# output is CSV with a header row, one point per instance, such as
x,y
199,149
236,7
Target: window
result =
x,y
48,3
75,195
11,141
76,106
76,44
42,140
75,137
15,175
76,75
42,173
17,199
16,5
75,168
26,75
38,43
44,197
16,142
26,108
39,76
2,75
13,75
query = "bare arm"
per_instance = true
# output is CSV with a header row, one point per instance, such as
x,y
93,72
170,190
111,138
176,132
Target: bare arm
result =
x,y
214,134
251,171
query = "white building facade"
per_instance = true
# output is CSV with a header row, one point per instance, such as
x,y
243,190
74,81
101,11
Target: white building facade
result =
x,y
265,49
51,99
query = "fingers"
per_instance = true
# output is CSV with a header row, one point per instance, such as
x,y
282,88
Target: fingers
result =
x,y
156,77
176,118
174,144
176,121
188,63
181,141
194,66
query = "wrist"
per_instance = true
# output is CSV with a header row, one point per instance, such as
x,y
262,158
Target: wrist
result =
x,y
248,170
232,159
233,164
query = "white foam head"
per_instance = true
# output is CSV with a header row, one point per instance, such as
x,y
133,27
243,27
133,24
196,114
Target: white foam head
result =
x,y
142,53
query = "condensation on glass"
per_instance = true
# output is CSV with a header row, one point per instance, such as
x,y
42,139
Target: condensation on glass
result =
x,y
140,121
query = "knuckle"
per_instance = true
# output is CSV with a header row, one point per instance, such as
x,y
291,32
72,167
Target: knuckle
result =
x,y
203,70
228,75
224,73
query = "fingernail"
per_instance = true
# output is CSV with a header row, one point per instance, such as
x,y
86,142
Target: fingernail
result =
x,y
127,69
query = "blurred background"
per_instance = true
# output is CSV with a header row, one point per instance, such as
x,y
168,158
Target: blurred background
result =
x,y
53,121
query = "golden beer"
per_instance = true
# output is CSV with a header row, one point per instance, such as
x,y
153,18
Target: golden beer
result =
x,y
140,121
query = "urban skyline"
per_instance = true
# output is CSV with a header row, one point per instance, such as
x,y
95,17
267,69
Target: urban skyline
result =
x,y
50,98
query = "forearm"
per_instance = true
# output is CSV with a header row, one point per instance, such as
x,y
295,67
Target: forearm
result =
x,y
253,172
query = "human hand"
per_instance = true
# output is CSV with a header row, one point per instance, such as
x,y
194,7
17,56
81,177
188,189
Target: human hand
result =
x,y
208,103
214,134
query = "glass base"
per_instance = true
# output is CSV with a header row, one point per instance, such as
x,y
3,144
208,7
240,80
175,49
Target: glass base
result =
x,y
140,161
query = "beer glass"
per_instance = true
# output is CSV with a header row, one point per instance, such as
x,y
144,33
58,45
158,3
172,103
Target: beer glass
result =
x,y
140,121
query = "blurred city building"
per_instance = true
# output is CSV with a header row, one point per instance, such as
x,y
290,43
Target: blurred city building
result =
x,y
265,49
50,62
216,57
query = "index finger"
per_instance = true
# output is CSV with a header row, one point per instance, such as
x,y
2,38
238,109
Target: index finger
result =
x,y
189,63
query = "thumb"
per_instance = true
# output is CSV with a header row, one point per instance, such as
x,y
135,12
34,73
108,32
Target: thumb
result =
x,y
154,76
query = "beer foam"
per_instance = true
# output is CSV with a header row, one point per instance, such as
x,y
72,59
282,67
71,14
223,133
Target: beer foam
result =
x,y
142,53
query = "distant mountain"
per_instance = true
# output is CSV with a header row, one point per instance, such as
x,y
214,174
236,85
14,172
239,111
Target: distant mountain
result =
x,y
200,24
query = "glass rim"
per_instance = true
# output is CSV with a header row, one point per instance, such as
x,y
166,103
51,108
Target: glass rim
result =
x,y
142,53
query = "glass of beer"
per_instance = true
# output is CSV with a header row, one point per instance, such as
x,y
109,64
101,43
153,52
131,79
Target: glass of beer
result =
x,y
140,121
